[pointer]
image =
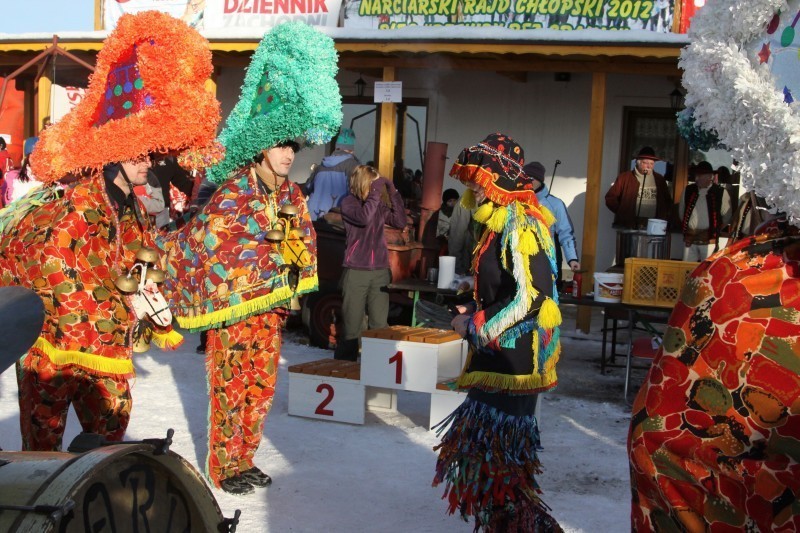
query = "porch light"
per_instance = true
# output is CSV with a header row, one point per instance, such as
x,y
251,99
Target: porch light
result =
x,y
360,85
676,99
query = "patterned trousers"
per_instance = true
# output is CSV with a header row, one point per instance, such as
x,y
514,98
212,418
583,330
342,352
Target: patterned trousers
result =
x,y
102,403
242,364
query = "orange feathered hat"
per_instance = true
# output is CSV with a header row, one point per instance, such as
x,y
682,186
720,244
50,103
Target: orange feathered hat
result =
x,y
147,95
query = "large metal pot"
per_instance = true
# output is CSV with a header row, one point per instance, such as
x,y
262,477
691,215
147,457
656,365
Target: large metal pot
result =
x,y
637,243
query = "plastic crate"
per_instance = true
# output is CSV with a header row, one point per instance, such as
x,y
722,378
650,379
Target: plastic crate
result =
x,y
654,282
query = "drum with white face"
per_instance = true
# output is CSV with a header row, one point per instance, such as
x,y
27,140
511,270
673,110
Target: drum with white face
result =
x,y
121,487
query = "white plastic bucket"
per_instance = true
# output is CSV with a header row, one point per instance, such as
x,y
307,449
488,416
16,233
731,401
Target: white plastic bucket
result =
x,y
608,287
656,226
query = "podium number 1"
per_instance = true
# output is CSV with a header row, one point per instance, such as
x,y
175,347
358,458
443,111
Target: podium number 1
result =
x,y
321,408
398,372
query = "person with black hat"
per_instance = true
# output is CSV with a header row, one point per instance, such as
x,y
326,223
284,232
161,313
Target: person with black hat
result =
x,y
705,210
639,194
449,200
563,230
488,454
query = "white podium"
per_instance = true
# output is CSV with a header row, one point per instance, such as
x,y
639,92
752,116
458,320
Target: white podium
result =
x,y
327,390
413,359
424,360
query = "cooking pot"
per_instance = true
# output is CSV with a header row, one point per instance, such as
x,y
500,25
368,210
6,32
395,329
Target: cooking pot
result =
x,y
637,243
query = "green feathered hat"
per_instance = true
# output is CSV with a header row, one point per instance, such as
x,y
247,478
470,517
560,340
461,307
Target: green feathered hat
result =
x,y
289,94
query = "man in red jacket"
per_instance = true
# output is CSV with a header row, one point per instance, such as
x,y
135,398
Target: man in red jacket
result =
x,y
639,194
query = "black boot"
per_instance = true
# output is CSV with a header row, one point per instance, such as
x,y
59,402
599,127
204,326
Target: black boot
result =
x,y
256,477
236,485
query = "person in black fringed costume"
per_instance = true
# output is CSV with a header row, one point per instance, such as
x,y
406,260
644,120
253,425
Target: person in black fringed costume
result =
x,y
487,456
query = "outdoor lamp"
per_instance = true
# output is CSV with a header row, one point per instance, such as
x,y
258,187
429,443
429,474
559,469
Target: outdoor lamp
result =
x,y
676,99
360,85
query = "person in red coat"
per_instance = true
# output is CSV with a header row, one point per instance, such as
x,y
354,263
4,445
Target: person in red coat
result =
x,y
639,194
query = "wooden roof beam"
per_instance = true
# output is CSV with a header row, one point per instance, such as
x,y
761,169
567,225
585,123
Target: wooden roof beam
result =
x,y
617,66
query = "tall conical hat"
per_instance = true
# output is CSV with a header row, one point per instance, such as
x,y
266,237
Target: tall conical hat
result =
x,y
147,95
290,93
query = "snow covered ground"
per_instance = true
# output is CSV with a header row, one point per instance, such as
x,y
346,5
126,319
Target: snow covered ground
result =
x,y
377,477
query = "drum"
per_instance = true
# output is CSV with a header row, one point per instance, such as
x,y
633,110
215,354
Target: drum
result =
x,y
122,487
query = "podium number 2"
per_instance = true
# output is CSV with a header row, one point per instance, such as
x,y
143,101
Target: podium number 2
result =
x,y
398,372
321,408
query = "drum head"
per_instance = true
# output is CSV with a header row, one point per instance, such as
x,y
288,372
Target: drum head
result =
x,y
123,488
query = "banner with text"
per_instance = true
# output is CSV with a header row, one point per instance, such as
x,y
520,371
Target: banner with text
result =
x,y
215,14
653,15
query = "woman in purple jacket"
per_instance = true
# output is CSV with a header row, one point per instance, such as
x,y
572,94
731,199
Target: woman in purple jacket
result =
x,y
372,203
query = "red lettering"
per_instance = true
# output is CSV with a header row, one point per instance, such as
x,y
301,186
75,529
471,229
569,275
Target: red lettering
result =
x,y
265,7
231,6
398,372
281,6
298,6
320,6
321,408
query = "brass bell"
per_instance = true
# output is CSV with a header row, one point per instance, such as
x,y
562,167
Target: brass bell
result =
x,y
147,255
126,284
155,275
288,211
296,233
274,235
141,342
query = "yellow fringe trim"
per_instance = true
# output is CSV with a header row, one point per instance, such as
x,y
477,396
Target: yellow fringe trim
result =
x,y
549,314
483,212
167,341
497,222
99,363
468,199
504,382
245,309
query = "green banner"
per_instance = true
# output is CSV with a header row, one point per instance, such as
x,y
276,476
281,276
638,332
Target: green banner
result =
x,y
653,15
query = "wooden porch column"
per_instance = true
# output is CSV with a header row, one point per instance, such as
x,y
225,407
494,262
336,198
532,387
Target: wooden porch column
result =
x,y
44,91
211,82
594,176
388,127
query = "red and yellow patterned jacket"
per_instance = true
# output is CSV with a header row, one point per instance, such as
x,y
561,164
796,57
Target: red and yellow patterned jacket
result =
x,y
220,267
70,251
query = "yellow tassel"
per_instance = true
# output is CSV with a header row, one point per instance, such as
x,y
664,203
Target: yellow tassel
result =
x,y
497,222
169,340
483,213
468,199
549,314
527,243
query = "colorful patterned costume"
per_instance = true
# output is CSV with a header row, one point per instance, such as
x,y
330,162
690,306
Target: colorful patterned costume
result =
x,y
146,95
488,457
714,442
70,250
223,273
231,276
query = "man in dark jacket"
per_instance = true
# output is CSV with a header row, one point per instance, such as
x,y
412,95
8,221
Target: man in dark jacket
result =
x,y
705,210
639,194
327,184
